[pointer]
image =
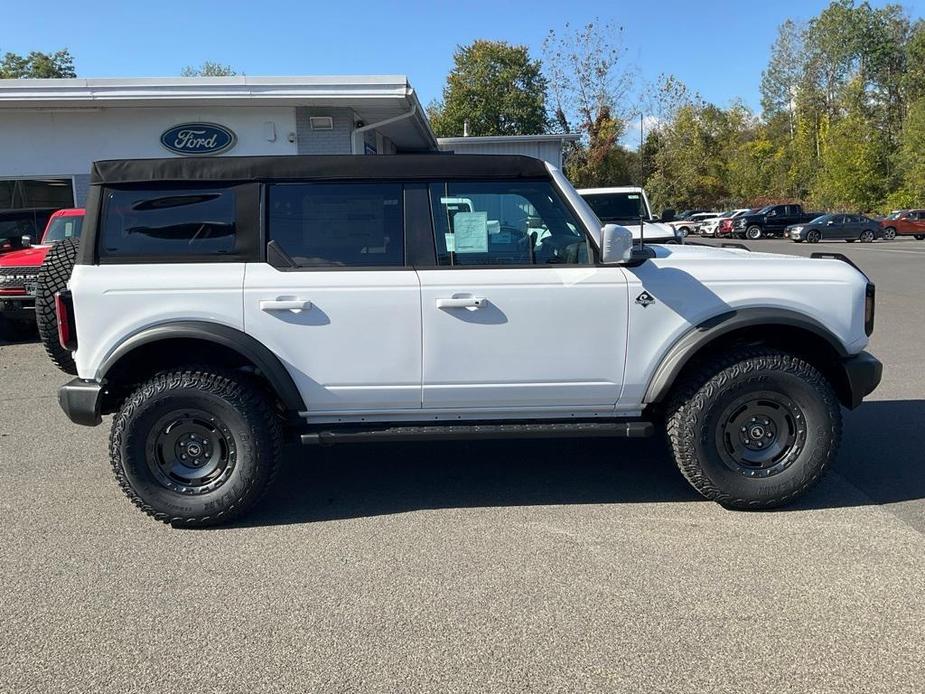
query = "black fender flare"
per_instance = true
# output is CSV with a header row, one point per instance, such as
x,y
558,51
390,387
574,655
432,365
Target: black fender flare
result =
x,y
691,342
251,349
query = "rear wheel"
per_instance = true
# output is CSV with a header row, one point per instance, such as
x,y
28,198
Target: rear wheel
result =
x,y
813,236
920,237
889,234
755,428
684,231
53,278
867,236
753,233
195,447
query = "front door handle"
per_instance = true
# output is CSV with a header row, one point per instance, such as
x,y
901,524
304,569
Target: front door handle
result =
x,y
285,305
461,302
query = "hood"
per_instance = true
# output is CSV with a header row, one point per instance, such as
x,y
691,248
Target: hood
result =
x,y
33,256
689,251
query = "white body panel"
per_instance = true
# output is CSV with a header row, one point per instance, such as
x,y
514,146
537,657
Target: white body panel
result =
x,y
113,302
358,346
542,337
693,283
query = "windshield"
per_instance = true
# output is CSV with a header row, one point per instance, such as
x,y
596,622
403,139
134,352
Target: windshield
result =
x,y
617,207
63,228
765,210
821,218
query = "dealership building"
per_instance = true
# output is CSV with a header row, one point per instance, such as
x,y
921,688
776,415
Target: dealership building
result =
x,y
51,130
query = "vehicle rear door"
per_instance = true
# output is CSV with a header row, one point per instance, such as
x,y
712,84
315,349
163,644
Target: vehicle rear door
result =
x,y
834,228
334,297
517,319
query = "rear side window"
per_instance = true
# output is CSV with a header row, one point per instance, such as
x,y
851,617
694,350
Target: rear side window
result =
x,y
337,224
168,223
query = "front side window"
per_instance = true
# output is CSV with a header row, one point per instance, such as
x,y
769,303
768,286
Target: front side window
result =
x,y
168,223
62,228
504,223
337,224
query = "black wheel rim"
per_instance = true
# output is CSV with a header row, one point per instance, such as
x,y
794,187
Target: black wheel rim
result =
x,y
191,452
761,434
813,236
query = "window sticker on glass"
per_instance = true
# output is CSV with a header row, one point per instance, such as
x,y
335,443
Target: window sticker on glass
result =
x,y
450,242
471,232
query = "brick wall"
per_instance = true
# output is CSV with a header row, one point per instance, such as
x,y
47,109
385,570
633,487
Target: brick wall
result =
x,y
336,141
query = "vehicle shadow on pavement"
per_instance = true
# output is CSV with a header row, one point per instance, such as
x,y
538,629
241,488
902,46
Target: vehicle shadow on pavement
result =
x,y
350,481
881,457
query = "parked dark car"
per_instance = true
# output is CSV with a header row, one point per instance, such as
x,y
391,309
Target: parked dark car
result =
x,y
772,220
16,223
836,227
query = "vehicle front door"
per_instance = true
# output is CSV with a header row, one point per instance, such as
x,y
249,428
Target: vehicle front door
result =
x,y
517,319
335,298
777,219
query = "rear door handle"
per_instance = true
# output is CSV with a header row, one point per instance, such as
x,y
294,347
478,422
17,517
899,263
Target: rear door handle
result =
x,y
461,302
285,305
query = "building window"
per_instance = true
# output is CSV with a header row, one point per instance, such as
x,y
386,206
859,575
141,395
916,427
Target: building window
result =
x,y
19,193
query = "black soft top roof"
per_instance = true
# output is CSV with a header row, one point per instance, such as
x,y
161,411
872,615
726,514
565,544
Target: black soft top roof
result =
x,y
318,167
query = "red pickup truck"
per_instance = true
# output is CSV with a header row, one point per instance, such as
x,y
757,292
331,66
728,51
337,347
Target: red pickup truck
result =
x,y
19,272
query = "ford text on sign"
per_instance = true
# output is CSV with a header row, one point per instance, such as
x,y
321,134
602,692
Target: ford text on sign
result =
x,y
198,138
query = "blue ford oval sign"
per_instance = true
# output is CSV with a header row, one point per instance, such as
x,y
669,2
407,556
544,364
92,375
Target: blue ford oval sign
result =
x,y
198,138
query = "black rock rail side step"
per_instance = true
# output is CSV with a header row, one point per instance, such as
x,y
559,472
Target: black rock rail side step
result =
x,y
477,430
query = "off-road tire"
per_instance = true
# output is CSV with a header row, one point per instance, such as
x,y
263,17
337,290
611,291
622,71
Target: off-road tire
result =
x,y
240,409
697,405
753,233
53,278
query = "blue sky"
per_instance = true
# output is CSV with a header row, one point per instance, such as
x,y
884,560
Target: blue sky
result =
x,y
718,48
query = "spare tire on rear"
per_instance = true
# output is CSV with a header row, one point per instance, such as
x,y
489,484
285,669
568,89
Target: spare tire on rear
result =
x,y
53,277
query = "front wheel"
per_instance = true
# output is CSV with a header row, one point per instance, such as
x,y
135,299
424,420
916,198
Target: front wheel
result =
x,y
920,237
753,233
755,428
813,236
195,447
684,231
889,234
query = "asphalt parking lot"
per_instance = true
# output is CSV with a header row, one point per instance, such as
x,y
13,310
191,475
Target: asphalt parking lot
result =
x,y
529,566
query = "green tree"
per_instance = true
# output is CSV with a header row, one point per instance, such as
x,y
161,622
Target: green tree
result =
x,y
780,80
37,65
591,87
208,69
494,88
853,173
910,161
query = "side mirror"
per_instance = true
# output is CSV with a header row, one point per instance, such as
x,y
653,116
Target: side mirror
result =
x,y
616,244
667,216
26,240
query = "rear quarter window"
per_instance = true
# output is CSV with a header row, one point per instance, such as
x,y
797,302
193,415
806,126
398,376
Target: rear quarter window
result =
x,y
170,224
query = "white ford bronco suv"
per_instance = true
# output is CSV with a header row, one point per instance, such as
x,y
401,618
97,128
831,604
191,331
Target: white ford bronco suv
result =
x,y
218,305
